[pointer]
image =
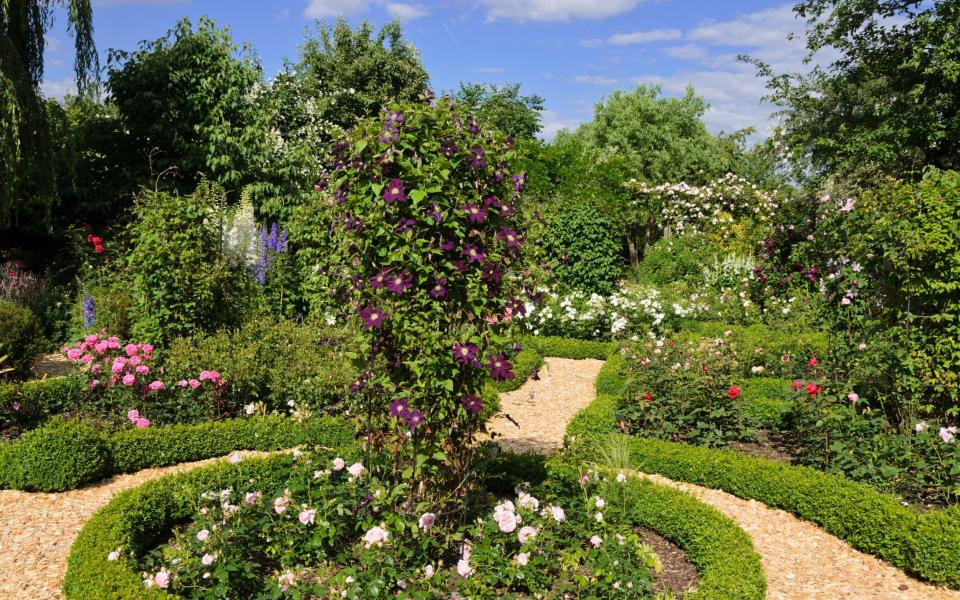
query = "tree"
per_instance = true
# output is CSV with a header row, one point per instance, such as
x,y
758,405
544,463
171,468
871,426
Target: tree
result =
x,y
360,70
187,100
662,139
502,107
889,104
25,144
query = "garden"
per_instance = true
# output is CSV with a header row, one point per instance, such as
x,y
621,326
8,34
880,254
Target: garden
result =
x,y
334,334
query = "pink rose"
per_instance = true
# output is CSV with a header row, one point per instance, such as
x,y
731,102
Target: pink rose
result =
x,y
427,520
596,541
134,360
101,347
147,348
142,423
130,349
129,379
143,369
307,516
156,385
91,339
133,414
506,520
375,536
194,383
526,533
95,369
73,354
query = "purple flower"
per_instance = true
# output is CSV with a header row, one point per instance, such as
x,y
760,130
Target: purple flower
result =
x,y
394,119
379,280
464,353
535,374
404,225
357,282
389,134
492,272
472,403
517,347
492,201
472,125
509,237
478,158
394,192
400,282
358,385
472,253
475,214
499,175
399,408
320,185
435,212
499,367
519,181
439,289
372,317
459,265
413,419
89,312
339,195
507,211
448,148
446,245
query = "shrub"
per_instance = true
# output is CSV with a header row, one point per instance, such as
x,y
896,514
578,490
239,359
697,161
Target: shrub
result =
x,y
26,405
58,456
612,378
765,401
567,348
111,309
677,258
21,338
583,247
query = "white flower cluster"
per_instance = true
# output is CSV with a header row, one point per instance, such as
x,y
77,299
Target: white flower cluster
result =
x,y
731,271
713,207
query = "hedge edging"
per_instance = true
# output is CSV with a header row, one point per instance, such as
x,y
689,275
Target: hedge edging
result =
x,y
137,519
135,449
925,545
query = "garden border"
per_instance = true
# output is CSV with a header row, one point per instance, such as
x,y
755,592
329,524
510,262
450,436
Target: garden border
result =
x,y
924,545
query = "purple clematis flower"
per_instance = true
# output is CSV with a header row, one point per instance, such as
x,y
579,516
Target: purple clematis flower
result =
x,y
519,181
448,148
379,281
389,134
434,212
464,353
372,317
413,419
472,253
492,272
509,237
492,201
472,403
339,195
499,367
439,289
404,225
394,192
459,265
446,245
400,282
478,158
399,408
475,214
499,175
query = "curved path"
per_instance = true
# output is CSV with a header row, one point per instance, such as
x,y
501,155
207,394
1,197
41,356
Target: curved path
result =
x,y
801,561
37,529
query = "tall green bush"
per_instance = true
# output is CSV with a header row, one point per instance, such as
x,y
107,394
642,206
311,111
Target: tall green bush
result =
x,y
21,338
583,246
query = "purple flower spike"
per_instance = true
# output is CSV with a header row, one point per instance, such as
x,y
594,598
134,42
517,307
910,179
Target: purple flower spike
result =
x,y
439,289
399,408
475,214
472,403
499,367
464,353
372,317
400,282
394,192
473,254
413,419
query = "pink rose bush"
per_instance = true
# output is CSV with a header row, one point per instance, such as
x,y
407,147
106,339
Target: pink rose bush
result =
x,y
121,375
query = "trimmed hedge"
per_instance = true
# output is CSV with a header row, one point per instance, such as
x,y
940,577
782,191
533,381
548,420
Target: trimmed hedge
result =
x,y
26,405
60,455
612,378
138,519
799,345
765,401
569,348
135,449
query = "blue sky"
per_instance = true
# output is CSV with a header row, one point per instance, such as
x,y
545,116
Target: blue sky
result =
x,y
571,52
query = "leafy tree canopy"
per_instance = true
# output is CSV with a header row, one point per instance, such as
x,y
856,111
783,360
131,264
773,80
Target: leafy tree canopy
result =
x,y
503,107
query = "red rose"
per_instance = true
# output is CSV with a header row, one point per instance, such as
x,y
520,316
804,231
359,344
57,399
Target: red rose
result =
x,y
90,237
98,249
96,240
812,362
797,384
813,389
733,392
648,397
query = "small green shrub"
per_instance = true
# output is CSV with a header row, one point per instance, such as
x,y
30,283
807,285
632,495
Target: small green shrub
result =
x,y
21,339
61,455
765,401
612,378
678,258
584,249
561,347
25,405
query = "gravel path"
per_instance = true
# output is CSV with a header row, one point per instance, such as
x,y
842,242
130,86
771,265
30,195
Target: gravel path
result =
x,y
37,530
542,409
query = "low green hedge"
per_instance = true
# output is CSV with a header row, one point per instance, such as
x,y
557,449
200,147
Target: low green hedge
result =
x,y
138,519
765,401
800,345
26,464
612,378
26,405
569,348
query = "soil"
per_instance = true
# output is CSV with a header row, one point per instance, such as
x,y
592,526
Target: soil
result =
x,y
52,365
679,575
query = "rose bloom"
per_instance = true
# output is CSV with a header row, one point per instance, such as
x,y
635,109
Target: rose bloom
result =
x,y
375,536
506,520
207,559
557,513
427,520
338,464
522,559
463,567
525,500
526,533
162,579
355,469
308,516
281,504
203,534
596,541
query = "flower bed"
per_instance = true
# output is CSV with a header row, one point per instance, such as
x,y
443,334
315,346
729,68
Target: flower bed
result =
x,y
43,465
120,553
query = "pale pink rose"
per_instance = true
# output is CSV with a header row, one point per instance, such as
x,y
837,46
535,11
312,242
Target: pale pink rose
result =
x,y
156,385
182,383
600,502
95,369
286,580
308,516
428,571
133,414
463,568
338,464
114,555
130,349
427,520
525,500
948,434
142,423
251,497
522,559
281,504
203,534
862,346
355,469
375,536
143,369
621,478
526,533
853,397
921,427
194,383
207,559
506,520
557,513
162,579
598,517
596,541
129,379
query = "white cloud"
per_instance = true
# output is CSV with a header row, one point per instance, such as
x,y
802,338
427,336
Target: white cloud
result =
x,y
405,11
556,10
322,9
489,70
552,122
596,80
591,43
644,37
52,44
58,88
687,52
